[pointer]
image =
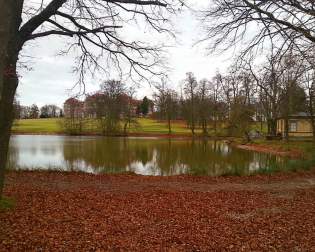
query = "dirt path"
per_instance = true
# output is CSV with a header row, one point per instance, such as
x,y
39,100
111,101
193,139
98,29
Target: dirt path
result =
x,y
81,212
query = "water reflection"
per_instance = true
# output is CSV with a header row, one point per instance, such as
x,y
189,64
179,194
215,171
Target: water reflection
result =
x,y
139,155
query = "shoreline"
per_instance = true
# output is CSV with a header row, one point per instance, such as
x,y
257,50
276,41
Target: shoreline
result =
x,y
152,135
275,176
278,151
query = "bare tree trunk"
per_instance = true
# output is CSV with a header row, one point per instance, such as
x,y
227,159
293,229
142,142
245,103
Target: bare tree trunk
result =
x,y
192,121
10,45
286,129
247,136
273,127
169,126
192,112
313,126
311,110
4,38
6,118
125,127
204,127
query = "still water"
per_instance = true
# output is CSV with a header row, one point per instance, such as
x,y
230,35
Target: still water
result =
x,y
146,156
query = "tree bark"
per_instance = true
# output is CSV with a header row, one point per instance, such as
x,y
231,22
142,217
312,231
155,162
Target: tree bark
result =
x,y
311,110
6,118
4,38
10,46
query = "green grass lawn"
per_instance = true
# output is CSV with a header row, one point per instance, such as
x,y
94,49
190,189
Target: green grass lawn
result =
x,y
157,127
54,125
145,126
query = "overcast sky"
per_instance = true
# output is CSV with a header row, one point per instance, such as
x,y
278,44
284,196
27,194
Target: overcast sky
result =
x,y
51,76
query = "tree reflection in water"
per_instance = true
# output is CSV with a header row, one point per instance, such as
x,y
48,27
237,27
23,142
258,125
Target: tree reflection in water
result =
x,y
145,156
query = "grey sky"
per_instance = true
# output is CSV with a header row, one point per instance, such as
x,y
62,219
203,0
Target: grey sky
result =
x,y
51,78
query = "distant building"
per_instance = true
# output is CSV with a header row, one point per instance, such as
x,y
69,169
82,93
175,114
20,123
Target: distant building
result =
x,y
91,107
91,104
300,125
73,108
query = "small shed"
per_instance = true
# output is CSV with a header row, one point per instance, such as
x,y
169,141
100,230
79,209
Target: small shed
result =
x,y
300,125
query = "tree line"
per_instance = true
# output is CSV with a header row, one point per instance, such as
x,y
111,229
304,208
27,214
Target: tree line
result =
x,y
114,109
34,112
227,104
277,87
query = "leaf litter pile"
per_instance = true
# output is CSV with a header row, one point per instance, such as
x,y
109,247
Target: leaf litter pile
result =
x,y
82,212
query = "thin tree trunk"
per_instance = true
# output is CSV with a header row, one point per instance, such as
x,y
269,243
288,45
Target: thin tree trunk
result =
x,y
286,129
192,113
125,127
313,127
169,127
272,126
204,127
311,110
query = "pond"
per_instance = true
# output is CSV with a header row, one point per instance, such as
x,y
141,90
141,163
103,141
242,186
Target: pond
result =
x,y
145,156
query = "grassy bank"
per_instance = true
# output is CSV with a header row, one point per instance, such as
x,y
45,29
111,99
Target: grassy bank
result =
x,y
38,126
145,126
307,148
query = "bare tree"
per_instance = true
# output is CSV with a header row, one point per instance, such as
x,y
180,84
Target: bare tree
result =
x,y
268,83
74,121
260,22
218,107
190,86
111,108
309,85
166,101
203,105
34,111
239,95
129,109
293,95
49,111
92,28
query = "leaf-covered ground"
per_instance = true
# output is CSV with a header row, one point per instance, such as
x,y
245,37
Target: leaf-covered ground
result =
x,y
81,212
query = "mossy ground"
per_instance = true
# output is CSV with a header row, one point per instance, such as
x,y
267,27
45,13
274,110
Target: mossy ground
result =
x,y
6,203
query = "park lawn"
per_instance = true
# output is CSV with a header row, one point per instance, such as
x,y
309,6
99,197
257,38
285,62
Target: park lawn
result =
x,y
54,125
40,126
147,125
